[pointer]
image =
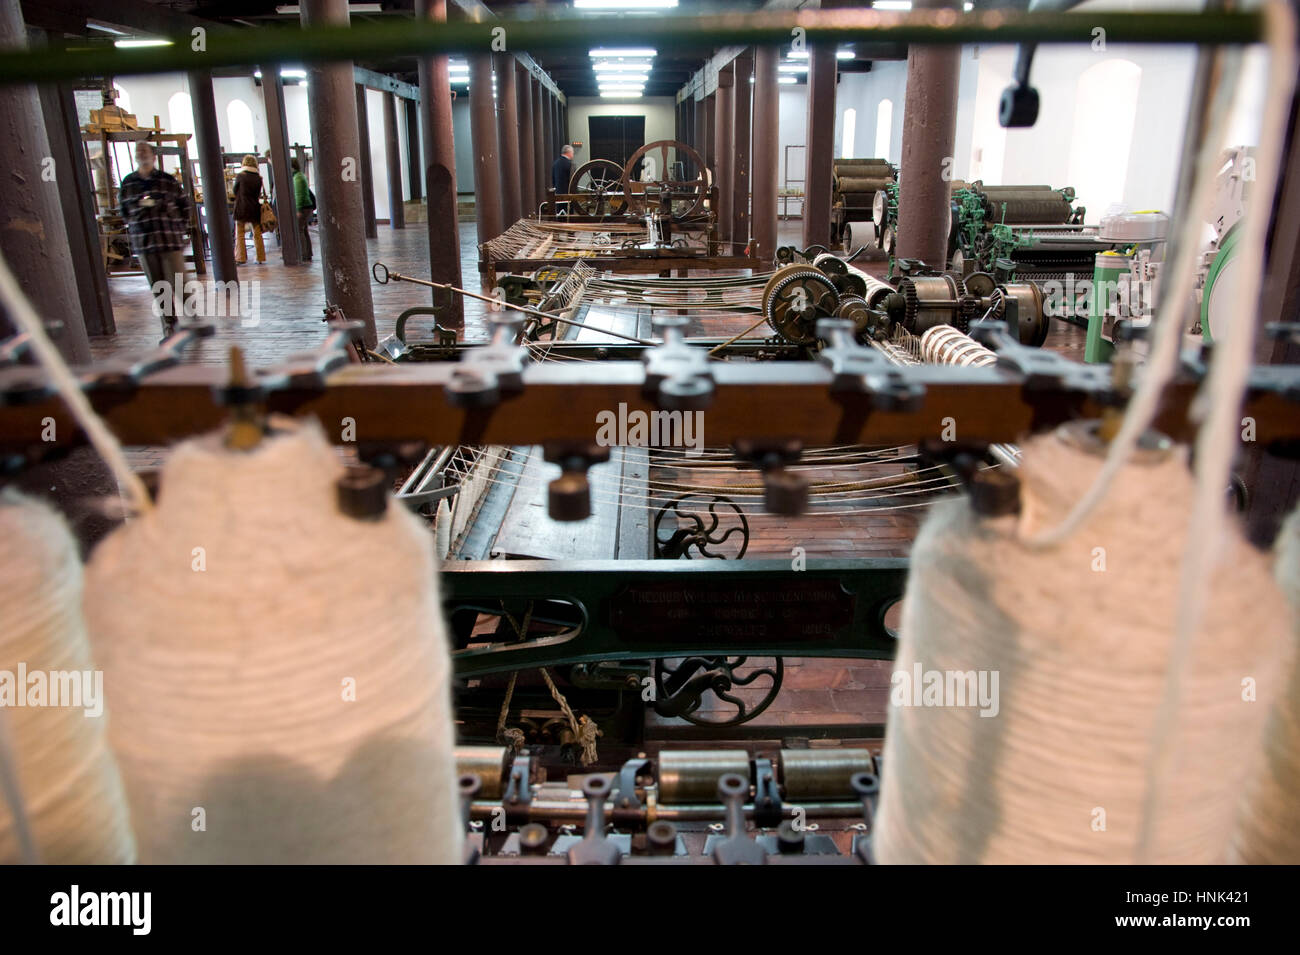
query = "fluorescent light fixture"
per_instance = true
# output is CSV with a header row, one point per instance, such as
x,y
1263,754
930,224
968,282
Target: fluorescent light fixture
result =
x,y
843,54
617,88
624,4
293,9
621,66
106,28
622,77
289,74
640,51
610,94
131,44
786,80
792,68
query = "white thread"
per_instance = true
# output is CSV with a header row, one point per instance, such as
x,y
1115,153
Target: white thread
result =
x,y
227,666
59,766
1079,638
25,317
1269,833
1217,439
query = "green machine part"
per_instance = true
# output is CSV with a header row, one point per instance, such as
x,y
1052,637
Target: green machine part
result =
x,y
1226,256
1108,269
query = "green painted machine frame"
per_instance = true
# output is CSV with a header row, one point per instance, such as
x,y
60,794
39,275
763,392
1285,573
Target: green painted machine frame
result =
x,y
650,609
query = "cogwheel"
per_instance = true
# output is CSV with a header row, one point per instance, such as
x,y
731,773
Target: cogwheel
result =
x,y
794,298
856,310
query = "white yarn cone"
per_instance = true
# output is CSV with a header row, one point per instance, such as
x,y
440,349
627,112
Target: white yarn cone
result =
x,y
1270,826
63,773
1058,775
278,671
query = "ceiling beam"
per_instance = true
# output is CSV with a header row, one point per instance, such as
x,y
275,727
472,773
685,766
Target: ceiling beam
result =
x,y
477,12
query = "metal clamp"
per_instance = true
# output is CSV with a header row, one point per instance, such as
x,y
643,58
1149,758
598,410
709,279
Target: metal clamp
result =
x,y
1039,368
677,376
595,848
518,798
737,848
627,804
767,796
867,786
469,787
858,369
486,374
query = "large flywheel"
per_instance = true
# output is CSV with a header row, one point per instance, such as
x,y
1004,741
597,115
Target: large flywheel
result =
x,y
794,298
599,184
658,189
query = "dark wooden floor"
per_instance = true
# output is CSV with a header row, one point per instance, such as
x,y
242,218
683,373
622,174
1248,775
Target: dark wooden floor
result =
x,y
817,693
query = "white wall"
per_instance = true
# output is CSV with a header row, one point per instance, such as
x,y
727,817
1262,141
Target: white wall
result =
x,y
660,114
150,95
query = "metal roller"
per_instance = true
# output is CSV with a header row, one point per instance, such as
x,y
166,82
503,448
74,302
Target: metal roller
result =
x,y
930,300
1031,311
1031,211
945,345
992,190
489,763
869,185
858,234
691,776
822,773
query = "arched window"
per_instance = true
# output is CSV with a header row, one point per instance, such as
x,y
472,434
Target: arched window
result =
x,y
1105,108
180,116
850,131
240,119
884,126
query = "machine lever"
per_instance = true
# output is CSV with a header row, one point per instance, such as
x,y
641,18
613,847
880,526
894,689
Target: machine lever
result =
x,y
736,848
595,848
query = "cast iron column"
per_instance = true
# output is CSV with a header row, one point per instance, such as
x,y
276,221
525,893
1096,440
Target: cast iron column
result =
x,y
766,179
364,161
336,146
487,161
393,155
439,150
725,154
221,239
820,154
742,96
529,199
508,136
929,133
286,212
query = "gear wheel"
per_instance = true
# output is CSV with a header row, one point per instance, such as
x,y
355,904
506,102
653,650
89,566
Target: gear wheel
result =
x,y
794,298
856,310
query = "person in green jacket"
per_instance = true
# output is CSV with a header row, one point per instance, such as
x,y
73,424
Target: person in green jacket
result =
x,y
302,201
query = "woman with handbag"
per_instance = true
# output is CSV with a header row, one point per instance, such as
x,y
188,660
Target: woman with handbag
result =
x,y
248,210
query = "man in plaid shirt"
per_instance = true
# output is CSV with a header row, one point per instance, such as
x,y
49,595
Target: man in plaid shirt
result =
x,y
157,214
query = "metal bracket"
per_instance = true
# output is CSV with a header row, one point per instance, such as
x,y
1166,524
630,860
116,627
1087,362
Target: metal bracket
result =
x,y
861,370
519,791
484,375
767,797
677,375
867,786
308,370
627,804
568,497
1039,368
469,787
737,848
783,492
595,848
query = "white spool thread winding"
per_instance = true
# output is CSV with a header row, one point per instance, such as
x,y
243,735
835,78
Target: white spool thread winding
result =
x,y
1269,833
70,798
1081,657
945,345
228,683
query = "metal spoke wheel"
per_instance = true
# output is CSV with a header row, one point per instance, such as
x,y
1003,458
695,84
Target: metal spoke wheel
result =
x,y
684,685
658,189
687,529
599,185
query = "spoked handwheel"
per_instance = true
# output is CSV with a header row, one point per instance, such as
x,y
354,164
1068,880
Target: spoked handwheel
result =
x,y
598,182
684,686
656,188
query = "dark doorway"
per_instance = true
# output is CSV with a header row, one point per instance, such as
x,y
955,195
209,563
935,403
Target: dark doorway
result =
x,y
615,137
